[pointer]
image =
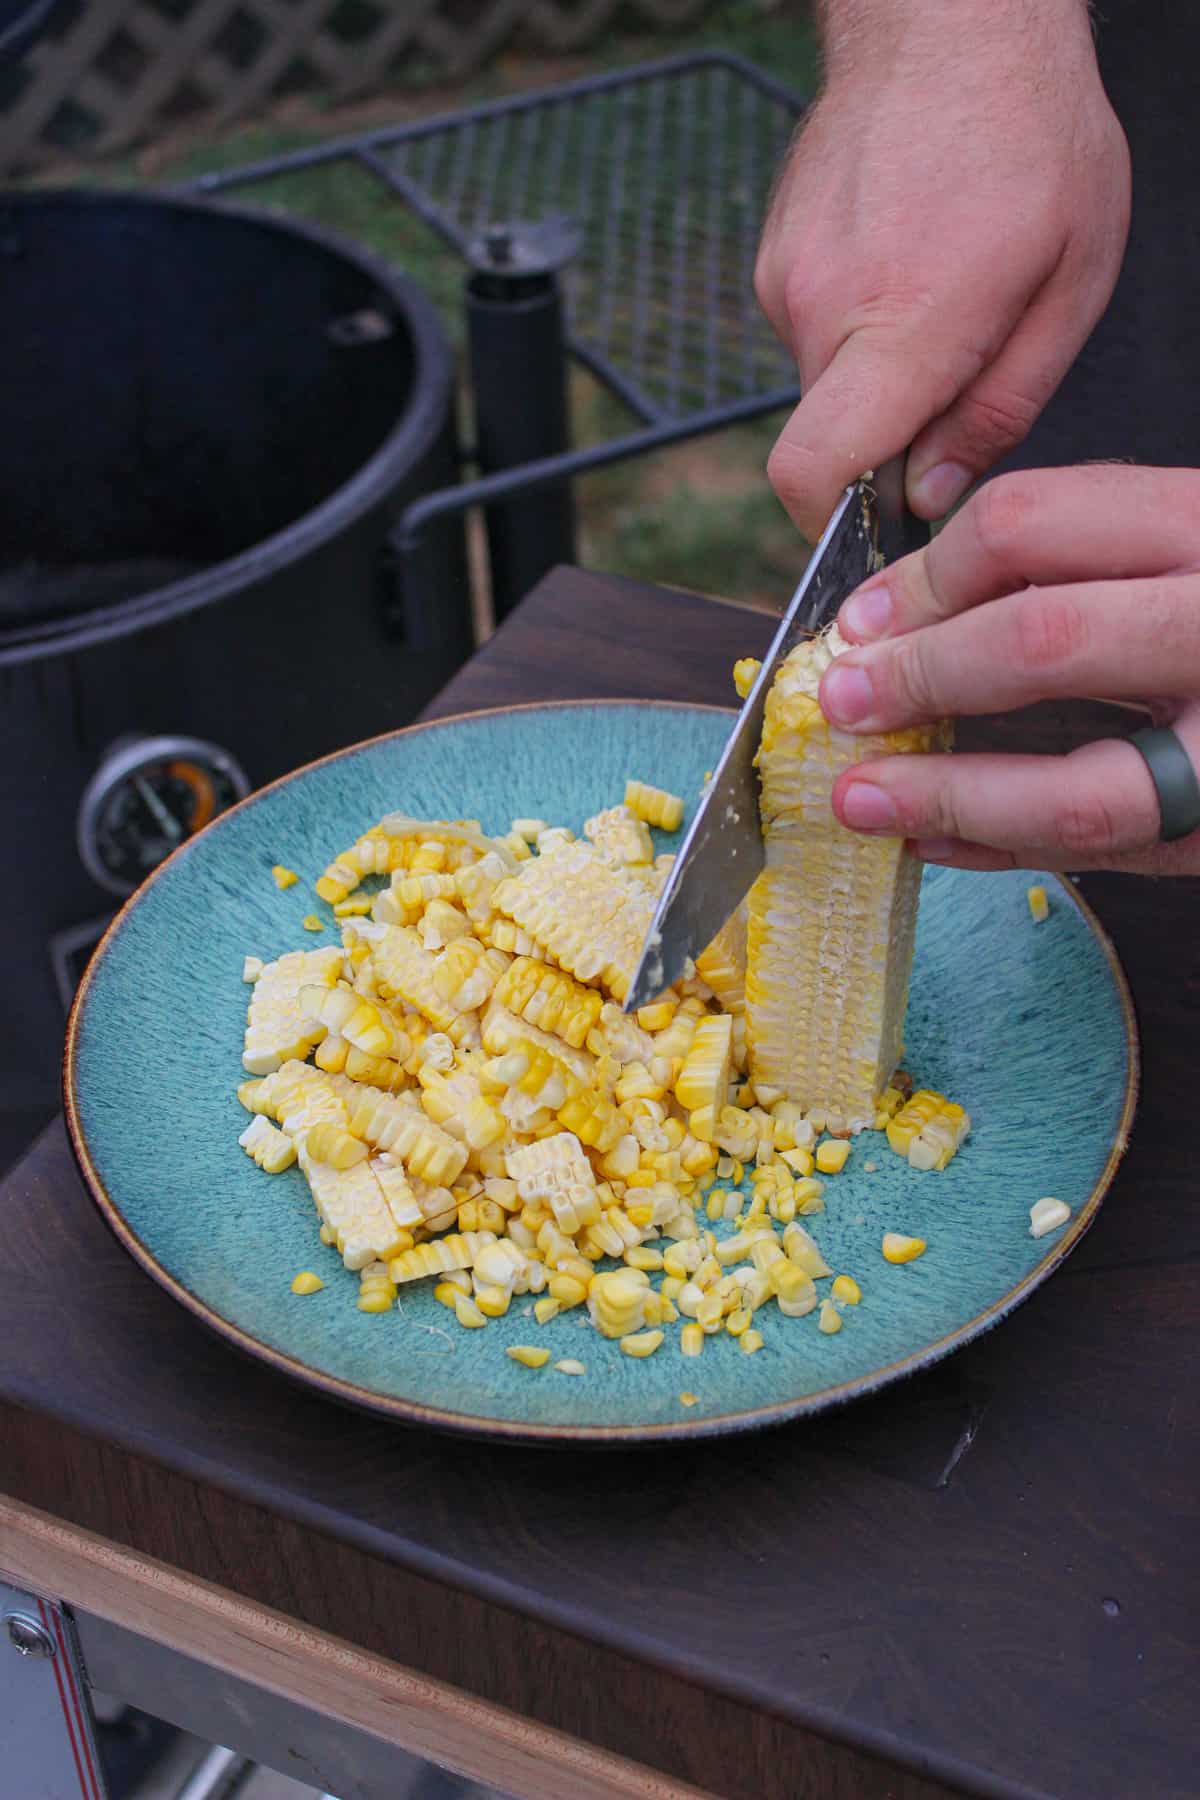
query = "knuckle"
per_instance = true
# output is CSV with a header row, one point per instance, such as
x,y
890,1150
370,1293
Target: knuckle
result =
x,y
1003,511
1051,630
1083,824
996,421
911,678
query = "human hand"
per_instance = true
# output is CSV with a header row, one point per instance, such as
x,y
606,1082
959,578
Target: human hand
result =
x,y
1054,583
947,230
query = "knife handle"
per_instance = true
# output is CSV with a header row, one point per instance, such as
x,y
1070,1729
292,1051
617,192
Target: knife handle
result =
x,y
900,531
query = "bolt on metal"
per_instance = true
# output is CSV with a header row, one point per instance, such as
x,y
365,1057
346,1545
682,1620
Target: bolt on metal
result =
x,y
27,1635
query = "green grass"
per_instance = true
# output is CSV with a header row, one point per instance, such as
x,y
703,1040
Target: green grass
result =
x,y
701,516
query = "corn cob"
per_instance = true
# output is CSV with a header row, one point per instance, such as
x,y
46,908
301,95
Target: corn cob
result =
x,y
277,1028
833,914
654,804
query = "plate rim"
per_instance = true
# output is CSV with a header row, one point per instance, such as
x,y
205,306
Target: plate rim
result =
x,y
524,1431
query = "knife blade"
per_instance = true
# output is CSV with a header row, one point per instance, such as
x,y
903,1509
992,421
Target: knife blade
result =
x,y
723,849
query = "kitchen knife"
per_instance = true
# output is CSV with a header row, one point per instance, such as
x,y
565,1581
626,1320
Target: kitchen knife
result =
x,y
723,850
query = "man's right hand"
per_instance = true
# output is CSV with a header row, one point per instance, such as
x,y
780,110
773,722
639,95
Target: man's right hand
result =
x,y
947,230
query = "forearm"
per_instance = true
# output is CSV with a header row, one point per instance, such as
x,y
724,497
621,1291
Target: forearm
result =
x,y
855,33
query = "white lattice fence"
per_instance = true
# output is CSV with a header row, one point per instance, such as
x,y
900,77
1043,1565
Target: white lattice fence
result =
x,y
122,70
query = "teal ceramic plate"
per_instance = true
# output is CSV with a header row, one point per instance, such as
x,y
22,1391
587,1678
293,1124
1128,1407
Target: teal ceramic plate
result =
x,y
1029,1026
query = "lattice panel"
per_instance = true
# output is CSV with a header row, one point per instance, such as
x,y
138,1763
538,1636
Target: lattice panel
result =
x,y
121,70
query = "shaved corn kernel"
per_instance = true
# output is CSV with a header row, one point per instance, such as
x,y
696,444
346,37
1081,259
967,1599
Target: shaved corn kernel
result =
x,y
569,1365
688,1399
307,1283
830,1319
750,1342
1047,1215
900,1249
468,1314
311,922
831,1156
530,1356
846,1289
283,877
1039,904
642,1343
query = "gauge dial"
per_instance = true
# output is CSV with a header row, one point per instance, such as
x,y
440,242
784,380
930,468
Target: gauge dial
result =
x,y
147,797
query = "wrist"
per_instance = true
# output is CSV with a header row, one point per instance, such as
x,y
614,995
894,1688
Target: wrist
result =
x,y
860,37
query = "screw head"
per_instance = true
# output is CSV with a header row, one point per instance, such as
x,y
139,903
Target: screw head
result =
x,y
28,1636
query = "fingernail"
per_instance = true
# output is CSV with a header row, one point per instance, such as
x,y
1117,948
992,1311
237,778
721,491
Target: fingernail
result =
x,y
846,695
936,850
866,807
940,488
867,614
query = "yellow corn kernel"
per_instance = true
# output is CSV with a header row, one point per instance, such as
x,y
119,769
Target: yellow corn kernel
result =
x,y
273,1150
311,922
640,1256
809,1196
377,1292
688,1399
567,1290
804,1252
569,1365
328,1235
710,1313
830,1319
654,805
530,1356
447,1295
468,1314
738,1321
493,1302
642,1215
745,674
801,1161
336,1148
750,1342
1039,904
846,1289
691,1339
307,1283
900,1249
831,1156
658,1015
284,877
672,1287
546,1308
641,1343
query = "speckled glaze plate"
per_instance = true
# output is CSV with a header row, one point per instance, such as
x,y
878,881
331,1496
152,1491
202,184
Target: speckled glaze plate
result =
x,y
1030,1027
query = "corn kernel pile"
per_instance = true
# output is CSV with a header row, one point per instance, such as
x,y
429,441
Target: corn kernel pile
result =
x,y
471,1107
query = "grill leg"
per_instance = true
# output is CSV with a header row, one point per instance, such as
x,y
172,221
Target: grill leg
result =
x,y
518,365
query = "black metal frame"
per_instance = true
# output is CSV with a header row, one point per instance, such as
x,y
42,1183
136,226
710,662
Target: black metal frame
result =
x,y
664,423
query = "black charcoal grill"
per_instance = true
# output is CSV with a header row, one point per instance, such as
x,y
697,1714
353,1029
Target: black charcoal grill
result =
x,y
213,420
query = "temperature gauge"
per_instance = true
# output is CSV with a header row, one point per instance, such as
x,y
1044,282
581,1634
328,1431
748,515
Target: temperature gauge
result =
x,y
147,796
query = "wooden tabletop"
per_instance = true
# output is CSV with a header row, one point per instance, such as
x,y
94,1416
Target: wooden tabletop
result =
x,y
984,1580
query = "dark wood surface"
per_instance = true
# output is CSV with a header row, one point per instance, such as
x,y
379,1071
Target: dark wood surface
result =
x,y
984,1580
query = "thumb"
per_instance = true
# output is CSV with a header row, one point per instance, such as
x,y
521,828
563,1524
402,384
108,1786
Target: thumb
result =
x,y
869,403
